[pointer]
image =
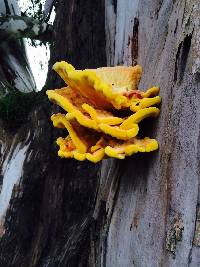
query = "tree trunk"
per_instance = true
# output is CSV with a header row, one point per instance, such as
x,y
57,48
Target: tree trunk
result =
x,y
142,211
15,72
152,209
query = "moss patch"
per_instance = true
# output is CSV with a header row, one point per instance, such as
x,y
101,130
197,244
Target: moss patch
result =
x,y
15,106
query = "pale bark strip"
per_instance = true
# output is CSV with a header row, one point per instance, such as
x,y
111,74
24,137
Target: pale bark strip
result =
x,y
110,22
12,171
48,7
126,12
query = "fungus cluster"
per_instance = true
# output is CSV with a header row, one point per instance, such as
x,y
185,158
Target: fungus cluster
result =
x,y
104,108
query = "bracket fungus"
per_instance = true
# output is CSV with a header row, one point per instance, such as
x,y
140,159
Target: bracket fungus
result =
x,y
103,108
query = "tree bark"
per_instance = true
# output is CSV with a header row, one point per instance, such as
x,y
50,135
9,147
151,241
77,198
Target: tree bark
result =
x,y
152,207
142,211
47,203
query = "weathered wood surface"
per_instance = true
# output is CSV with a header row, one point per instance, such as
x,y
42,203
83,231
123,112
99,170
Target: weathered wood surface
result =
x,y
154,207
142,211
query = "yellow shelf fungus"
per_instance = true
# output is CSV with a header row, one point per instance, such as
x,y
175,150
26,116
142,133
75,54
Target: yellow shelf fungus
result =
x,y
106,147
86,114
134,145
68,150
102,87
82,137
91,100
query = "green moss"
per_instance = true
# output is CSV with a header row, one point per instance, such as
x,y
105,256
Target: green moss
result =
x,y
15,106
